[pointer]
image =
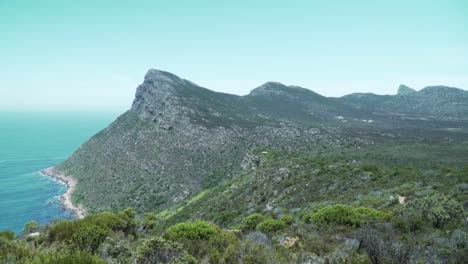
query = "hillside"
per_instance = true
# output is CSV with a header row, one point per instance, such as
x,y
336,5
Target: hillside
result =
x,y
281,175
179,138
433,102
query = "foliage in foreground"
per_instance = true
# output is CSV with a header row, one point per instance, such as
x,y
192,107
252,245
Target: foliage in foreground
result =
x,y
335,233
291,209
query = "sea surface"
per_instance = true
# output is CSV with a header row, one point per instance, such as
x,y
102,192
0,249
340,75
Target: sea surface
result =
x,y
30,142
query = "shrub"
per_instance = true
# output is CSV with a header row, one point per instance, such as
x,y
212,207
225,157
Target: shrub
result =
x,y
7,235
63,230
30,227
287,219
371,168
251,221
158,250
117,248
271,225
255,254
436,209
148,222
340,214
129,223
366,215
88,238
199,230
16,251
66,258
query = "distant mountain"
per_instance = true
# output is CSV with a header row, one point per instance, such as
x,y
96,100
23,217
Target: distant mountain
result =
x,y
179,139
437,102
405,90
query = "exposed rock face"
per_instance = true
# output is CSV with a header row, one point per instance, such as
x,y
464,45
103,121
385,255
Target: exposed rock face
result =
x,y
156,99
179,138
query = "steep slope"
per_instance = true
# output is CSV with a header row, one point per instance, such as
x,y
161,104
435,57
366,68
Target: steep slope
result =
x,y
177,139
160,151
405,90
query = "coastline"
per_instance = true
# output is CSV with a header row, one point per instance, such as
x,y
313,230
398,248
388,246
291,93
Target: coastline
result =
x,y
65,198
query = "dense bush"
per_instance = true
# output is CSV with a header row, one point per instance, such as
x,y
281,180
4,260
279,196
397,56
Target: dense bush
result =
x,y
6,236
435,209
148,222
88,238
117,248
64,230
287,219
128,222
340,214
271,225
199,230
158,250
30,227
76,257
251,221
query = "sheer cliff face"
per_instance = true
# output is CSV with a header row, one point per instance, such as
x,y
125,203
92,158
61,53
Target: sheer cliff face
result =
x,y
179,138
157,100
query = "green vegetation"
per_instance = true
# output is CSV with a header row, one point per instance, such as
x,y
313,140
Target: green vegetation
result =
x,y
158,250
30,227
379,204
271,225
338,233
340,214
282,175
436,210
198,230
252,221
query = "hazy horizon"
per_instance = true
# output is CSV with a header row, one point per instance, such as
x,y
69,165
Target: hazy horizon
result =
x,y
88,56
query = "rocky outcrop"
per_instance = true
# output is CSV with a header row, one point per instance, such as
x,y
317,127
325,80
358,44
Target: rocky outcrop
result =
x,y
405,90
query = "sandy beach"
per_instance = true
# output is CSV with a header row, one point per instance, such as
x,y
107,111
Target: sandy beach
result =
x,y
65,198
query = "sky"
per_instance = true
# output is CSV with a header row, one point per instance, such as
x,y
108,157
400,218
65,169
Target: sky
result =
x,y
91,55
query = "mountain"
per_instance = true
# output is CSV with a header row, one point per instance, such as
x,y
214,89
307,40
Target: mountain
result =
x,y
436,102
179,139
281,175
405,90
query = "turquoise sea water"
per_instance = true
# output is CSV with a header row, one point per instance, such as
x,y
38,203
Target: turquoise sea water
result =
x,y
30,142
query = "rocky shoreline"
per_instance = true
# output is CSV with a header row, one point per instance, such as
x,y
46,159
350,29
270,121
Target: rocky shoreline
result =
x,y
65,198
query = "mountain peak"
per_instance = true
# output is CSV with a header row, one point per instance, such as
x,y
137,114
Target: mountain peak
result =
x,y
268,88
441,88
405,90
158,75
158,98
276,88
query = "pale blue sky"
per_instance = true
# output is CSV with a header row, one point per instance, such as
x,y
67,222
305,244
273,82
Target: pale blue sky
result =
x,y
91,55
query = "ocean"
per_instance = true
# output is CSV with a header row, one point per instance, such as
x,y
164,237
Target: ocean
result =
x,y
30,142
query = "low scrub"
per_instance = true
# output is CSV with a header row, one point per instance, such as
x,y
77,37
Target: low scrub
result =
x,y
271,225
198,230
436,210
251,221
340,214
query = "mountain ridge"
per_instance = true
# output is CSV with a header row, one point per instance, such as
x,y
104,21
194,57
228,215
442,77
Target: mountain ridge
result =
x,y
179,138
